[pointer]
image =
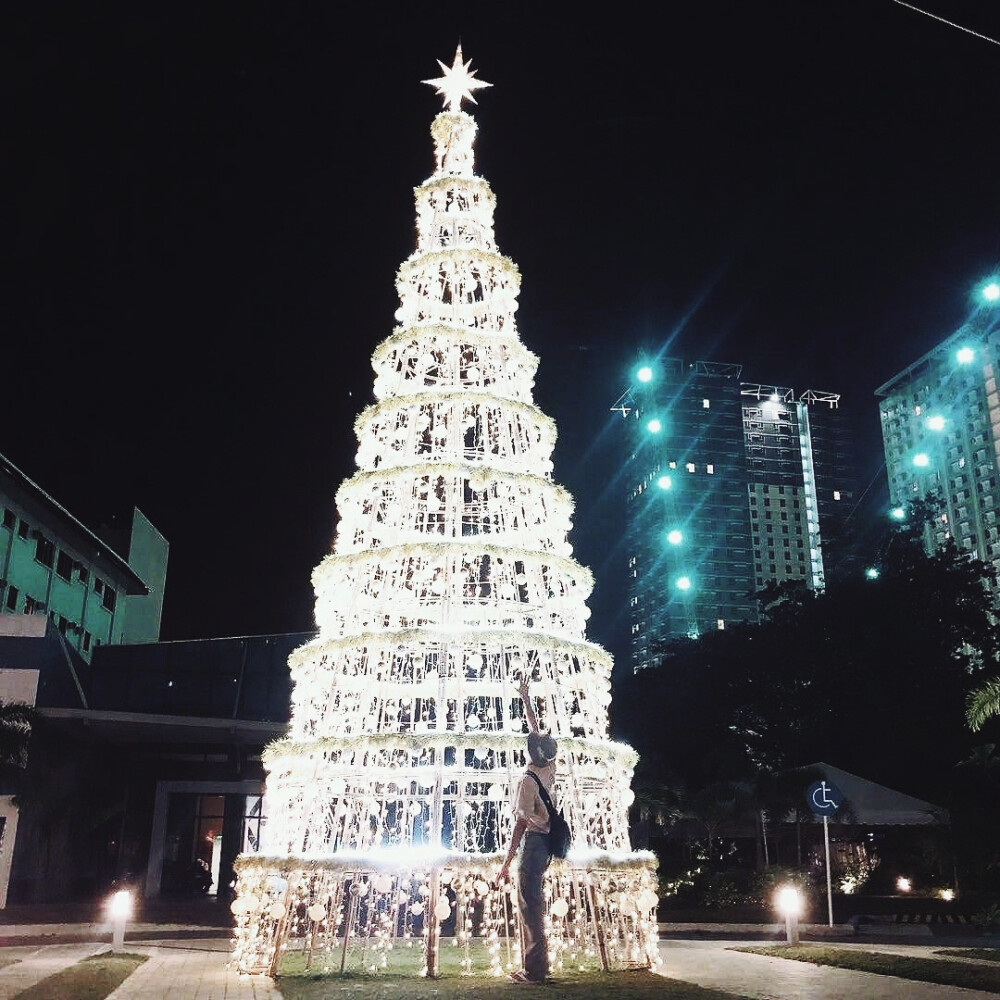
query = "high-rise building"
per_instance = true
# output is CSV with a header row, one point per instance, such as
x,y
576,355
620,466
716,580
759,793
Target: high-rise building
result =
x,y
941,433
732,485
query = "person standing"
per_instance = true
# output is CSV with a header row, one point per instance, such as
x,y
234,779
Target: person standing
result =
x,y
531,826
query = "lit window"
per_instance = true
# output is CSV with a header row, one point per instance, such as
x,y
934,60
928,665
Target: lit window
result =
x,y
705,404
690,466
710,469
836,494
720,623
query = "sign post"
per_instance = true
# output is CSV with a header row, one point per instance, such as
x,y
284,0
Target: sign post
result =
x,y
824,799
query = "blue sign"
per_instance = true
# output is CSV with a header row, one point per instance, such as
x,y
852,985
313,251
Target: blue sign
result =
x,y
824,798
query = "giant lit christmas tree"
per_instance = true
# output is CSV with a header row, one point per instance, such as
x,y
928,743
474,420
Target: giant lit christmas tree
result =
x,y
451,577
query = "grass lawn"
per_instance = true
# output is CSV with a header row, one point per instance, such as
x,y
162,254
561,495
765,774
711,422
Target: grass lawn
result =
x,y
636,985
92,979
402,981
980,954
924,970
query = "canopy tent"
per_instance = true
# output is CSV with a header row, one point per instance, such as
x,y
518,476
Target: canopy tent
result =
x,y
870,804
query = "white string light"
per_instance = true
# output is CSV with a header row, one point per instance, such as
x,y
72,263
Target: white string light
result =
x,y
388,805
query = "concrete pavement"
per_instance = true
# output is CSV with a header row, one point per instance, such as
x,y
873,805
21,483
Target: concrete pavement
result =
x,y
188,961
710,963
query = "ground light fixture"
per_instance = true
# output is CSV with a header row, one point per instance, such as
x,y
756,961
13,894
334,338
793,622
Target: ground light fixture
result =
x,y
119,910
788,903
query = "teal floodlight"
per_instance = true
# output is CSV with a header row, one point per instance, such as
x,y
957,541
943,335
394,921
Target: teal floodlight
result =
x,y
935,422
965,355
644,374
683,583
991,291
664,482
897,514
921,460
654,426
675,537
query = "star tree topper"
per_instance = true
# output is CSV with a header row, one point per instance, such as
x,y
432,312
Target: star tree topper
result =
x,y
457,84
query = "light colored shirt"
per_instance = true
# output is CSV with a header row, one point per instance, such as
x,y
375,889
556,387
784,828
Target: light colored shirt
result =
x,y
529,805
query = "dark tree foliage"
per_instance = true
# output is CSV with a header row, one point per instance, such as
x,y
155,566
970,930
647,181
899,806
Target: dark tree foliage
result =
x,y
16,720
871,676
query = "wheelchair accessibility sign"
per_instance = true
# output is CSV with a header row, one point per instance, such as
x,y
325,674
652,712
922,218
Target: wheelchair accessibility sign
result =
x,y
824,798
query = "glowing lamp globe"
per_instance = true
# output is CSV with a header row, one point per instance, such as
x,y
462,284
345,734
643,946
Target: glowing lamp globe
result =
x,y
654,426
991,291
684,583
644,374
664,482
789,901
965,355
675,537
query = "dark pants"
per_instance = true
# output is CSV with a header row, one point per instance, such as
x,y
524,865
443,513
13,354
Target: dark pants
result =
x,y
531,904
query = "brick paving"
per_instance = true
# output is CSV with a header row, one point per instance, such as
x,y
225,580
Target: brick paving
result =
x,y
191,970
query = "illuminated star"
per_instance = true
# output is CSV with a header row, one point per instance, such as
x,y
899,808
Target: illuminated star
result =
x,y
457,84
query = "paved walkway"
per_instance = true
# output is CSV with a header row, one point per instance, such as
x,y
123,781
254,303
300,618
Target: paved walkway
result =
x,y
711,963
176,970
191,970
195,968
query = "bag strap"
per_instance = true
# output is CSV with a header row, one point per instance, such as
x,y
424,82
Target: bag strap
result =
x,y
544,794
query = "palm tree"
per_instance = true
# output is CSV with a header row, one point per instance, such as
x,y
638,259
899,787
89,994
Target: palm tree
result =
x,y
983,704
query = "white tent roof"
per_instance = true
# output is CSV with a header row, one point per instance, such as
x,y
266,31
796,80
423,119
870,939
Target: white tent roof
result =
x,y
871,804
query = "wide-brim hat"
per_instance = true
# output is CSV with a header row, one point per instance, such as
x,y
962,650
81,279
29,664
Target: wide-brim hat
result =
x,y
541,749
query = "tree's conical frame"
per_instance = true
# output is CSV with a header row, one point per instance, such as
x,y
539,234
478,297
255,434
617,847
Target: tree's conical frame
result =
x,y
389,800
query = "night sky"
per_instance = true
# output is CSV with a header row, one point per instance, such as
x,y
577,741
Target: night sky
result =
x,y
207,208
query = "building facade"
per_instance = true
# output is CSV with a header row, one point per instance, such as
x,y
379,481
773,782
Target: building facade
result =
x,y
96,590
941,433
732,485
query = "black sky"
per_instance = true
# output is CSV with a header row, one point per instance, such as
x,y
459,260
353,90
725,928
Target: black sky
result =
x,y
207,207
